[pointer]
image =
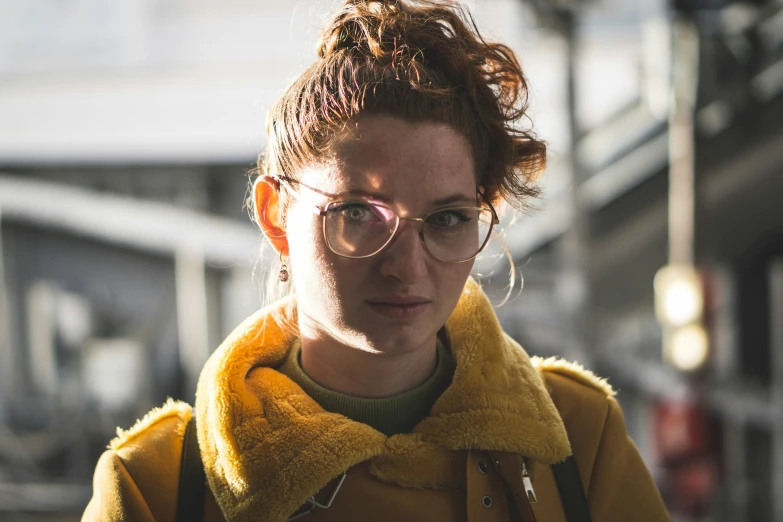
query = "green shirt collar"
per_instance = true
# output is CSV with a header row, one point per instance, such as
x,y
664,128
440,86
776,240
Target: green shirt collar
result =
x,y
389,415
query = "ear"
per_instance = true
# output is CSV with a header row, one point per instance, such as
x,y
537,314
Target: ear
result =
x,y
266,196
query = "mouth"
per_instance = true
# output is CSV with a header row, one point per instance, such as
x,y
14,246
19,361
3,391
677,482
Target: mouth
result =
x,y
400,307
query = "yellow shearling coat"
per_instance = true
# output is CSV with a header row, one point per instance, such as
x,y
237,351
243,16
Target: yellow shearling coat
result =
x,y
267,447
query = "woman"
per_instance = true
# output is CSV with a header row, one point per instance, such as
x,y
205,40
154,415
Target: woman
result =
x,y
382,387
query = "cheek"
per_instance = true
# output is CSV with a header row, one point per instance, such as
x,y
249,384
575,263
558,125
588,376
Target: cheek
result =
x,y
319,275
453,280
306,248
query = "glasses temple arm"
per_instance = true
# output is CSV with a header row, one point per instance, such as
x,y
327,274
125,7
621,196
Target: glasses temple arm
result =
x,y
312,206
495,218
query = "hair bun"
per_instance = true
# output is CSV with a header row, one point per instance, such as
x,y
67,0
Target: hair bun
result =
x,y
340,37
356,26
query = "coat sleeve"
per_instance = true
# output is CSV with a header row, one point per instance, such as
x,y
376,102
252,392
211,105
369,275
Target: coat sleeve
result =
x,y
137,479
620,487
116,497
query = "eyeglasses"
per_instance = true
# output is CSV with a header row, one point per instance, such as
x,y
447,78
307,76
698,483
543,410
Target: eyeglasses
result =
x,y
356,227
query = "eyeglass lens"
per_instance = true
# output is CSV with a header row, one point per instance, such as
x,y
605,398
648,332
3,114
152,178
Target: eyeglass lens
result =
x,y
360,229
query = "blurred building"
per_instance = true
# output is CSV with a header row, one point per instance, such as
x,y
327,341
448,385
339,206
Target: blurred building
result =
x,y
126,134
713,437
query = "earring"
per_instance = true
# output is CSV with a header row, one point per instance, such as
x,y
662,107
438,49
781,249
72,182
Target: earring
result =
x,y
283,270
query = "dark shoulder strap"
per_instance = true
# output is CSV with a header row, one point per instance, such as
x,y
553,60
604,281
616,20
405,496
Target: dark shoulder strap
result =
x,y
192,479
572,494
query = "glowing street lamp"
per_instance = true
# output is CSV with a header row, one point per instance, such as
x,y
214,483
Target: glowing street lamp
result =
x,y
679,305
678,295
687,347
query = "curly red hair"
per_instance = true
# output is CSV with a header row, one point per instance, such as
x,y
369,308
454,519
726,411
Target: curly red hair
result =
x,y
421,61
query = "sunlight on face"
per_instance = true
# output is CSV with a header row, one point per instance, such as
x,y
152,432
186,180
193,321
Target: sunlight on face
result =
x,y
411,167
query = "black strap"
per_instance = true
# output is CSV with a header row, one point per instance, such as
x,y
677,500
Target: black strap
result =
x,y
192,479
572,494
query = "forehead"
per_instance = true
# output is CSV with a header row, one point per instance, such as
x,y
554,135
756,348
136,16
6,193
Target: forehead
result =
x,y
398,159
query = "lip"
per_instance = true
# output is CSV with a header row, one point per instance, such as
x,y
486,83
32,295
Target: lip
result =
x,y
400,307
400,300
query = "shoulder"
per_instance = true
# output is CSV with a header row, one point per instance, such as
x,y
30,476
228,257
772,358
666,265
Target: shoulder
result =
x,y
554,366
583,399
162,426
587,406
143,463
613,473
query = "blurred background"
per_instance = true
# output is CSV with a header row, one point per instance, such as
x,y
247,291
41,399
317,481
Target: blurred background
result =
x,y
655,257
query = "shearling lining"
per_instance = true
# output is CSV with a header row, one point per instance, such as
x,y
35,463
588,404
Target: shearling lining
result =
x,y
267,446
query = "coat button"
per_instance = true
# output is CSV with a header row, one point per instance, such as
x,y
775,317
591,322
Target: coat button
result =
x,y
486,501
483,466
497,464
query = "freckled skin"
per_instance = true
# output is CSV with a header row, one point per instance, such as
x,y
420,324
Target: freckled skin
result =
x,y
346,345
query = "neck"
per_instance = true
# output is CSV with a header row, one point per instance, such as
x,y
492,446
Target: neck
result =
x,y
362,373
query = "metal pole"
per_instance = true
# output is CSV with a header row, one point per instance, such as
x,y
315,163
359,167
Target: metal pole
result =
x,y
573,283
7,359
682,179
44,372
776,347
192,315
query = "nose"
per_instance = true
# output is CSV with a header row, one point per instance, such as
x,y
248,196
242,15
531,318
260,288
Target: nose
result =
x,y
405,258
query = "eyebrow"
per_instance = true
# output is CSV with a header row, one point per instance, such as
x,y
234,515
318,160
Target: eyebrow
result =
x,y
455,198
447,200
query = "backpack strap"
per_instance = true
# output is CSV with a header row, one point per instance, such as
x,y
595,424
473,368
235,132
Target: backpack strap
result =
x,y
192,479
572,494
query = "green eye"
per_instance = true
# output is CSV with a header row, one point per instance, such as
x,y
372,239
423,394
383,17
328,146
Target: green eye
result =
x,y
448,218
352,211
355,213
361,213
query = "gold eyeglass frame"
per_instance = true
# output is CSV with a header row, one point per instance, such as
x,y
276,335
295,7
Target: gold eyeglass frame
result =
x,y
322,211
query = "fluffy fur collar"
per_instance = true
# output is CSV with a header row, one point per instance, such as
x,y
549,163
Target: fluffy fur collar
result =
x,y
267,446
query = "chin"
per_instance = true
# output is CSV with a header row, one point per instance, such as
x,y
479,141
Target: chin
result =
x,y
396,338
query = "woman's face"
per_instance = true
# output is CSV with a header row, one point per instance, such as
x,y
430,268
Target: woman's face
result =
x,y
356,301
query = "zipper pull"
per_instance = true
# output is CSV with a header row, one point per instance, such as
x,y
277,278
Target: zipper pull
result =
x,y
531,493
